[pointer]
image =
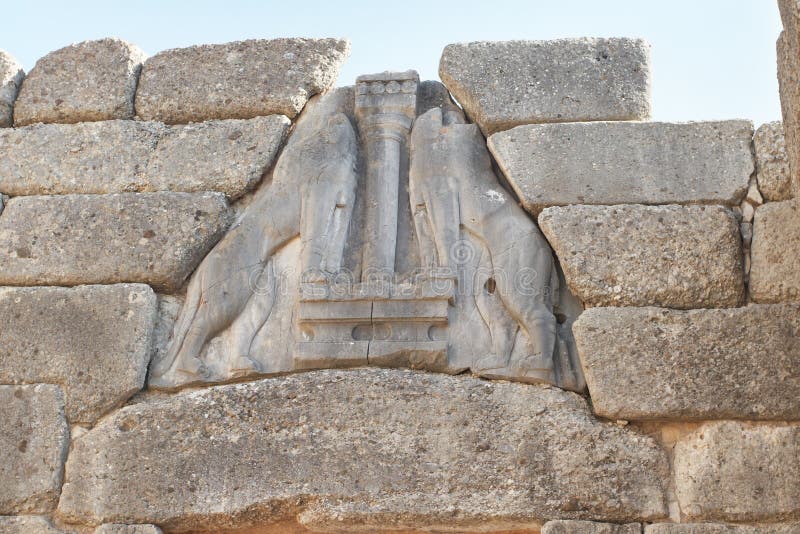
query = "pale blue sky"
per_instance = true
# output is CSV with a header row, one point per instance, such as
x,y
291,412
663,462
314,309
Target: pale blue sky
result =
x,y
712,59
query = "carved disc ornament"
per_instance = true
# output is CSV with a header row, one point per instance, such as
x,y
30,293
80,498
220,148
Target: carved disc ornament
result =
x,y
383,238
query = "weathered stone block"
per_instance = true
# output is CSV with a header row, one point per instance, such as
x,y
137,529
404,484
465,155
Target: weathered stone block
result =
x,y
731,471
660,364
154,238
363,450
88,81
11,75
562,526
119,528
632,255
228,156
27,524
238,80
94,341
719,528
90,157
505,84
34,438
627,162
775,253
788,55
772,162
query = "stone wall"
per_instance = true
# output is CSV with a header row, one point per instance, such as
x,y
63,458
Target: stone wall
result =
x,y
144,199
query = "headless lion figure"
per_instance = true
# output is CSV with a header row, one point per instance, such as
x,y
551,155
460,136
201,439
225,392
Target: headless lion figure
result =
x,y
311,194
452,190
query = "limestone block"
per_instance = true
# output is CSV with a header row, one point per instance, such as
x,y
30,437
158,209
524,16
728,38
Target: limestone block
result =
x,y
34,439
632,255
361,451
661,364
788,55
119,528
27,524
11,76
154,238
561,526
120,156
90,157
774,276
237,80
229,156
505,84
627,162
772,163
87,81
94,341
732,471
719,528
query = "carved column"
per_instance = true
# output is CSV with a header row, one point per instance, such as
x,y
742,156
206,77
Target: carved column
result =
x,y
385,107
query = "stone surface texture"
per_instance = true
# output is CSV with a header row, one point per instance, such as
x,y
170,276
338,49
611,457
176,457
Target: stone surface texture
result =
x,y
120,528
775,253
739,472
361,451
627,162
121,156
505,84
34,438
237,80
788,55
772,162
87,81
11,76
27,524
661,364
720,528
154,238
93,341
631,255
562,526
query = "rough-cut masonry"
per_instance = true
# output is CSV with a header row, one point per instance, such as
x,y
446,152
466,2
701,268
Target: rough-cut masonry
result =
x,y
153,238
661,364
228,156
27,524
88,81
93,341
363,450
774,276
505,84
719,528
788,52
34,438
772,163
738,472
627,162
566,526
119,528
11,75
237,80
671,256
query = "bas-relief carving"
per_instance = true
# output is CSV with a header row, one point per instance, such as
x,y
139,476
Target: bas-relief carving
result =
x,y
383,238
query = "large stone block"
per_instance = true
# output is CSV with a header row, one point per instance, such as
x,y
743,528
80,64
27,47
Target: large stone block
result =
x,y
632,255
154,238
627,162
229,156
34,438
94,341
772,162
660,364
739,472
719,528
505,84
238,80
27,524
11,75
788,55
775,253
566,526
120,156
88,81
362,451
